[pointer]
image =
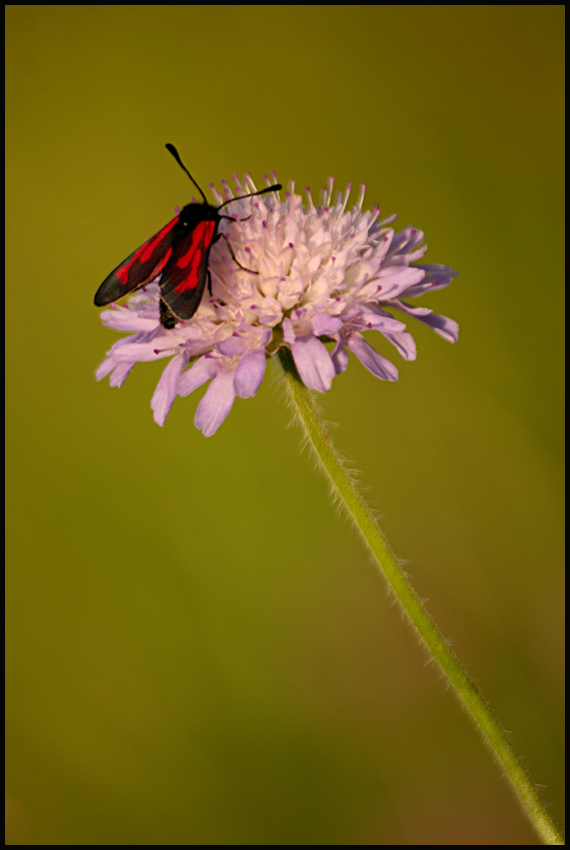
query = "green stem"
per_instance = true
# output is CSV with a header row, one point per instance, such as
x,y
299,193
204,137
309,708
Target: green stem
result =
x,y
303,404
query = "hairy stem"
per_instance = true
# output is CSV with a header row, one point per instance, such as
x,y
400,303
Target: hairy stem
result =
x,y
303,404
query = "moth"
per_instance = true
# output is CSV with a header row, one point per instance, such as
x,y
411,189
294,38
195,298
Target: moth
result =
x,y
180,254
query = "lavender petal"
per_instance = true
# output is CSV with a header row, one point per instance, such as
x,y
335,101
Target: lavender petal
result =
x,y
250,372
370,358
313,362
405,344
120,374
446,328
339,358
216,403
394,280
324,325
105,368
202,370
288,332
127,320
232,345
142,351
167,388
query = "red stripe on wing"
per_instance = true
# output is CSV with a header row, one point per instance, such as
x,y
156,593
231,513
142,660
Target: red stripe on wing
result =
x,y
156,271
142,266
191,257
144,254
184,277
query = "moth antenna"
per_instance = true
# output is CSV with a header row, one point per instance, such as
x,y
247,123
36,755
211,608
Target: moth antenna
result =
x,y
275,188
176,156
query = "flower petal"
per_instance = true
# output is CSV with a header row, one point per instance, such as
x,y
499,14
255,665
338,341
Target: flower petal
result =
x,y
167,388
446,328
437,277
142,351
120,374
250,372
232,345
288,332
437,270
380,321
404,342
216,403
202,370
394,280
339,358
323,324
105,368
121,319
370,358
313,362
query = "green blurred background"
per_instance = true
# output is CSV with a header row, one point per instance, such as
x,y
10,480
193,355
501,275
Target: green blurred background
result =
x,y
199,651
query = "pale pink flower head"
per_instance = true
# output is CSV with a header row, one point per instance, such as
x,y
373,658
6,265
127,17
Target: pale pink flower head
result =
x,y
326,274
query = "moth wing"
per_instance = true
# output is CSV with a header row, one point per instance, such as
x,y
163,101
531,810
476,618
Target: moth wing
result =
x,y
142,266
185,274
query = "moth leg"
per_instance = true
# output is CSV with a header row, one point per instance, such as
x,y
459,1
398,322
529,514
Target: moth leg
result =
x,y
243,268
209,283
230,218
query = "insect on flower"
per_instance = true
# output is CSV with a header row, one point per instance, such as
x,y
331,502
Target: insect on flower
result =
x,y
179,253
327,275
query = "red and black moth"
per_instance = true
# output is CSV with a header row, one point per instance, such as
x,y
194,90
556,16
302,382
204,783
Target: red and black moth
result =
x,y
179,253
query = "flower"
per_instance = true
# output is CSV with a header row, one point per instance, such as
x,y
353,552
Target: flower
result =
x,y
325,275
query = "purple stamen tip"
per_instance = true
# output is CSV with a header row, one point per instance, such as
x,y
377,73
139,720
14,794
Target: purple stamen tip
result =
x,y
291,245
